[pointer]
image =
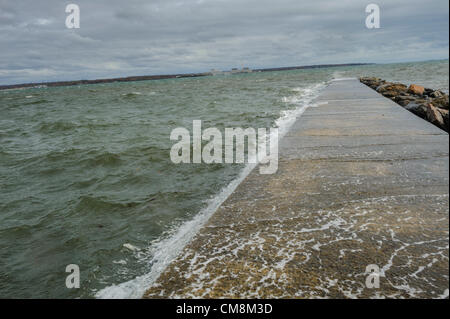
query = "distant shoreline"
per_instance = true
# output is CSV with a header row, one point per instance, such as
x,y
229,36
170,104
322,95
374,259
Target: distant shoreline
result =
x,y
160,77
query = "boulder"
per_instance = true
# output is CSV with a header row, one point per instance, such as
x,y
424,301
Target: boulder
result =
x,y
428,91
404,99
416,89
445,116
390,94
434,116
372,82
365,79
417,107
391,89
441,102
403,102
436,94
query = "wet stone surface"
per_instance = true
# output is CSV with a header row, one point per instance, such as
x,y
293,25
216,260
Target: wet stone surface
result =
x,y
350,191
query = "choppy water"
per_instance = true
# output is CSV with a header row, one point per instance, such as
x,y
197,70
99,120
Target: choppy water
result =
x,y
86,170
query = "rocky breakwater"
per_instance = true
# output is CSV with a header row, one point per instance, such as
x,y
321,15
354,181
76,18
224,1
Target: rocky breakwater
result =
x,y
431,105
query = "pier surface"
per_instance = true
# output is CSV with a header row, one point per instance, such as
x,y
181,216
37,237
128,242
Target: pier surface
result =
x,y
361,181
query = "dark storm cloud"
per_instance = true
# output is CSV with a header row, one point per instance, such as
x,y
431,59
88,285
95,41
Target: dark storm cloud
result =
x,y
120,38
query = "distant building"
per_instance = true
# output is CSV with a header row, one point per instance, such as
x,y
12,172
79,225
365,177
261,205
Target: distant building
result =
x,y
243,70
216,72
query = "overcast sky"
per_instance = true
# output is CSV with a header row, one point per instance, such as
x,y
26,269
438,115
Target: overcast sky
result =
x,y
141,37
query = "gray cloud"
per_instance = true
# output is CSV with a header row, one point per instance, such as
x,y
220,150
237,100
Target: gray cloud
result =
x,y
140,37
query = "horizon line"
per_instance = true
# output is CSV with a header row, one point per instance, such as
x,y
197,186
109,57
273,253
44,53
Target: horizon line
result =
x,y
134,78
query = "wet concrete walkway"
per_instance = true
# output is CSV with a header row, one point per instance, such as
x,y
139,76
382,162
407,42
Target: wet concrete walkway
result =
x,y
360,181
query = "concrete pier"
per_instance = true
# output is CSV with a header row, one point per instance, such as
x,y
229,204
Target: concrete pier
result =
x,y
361,181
